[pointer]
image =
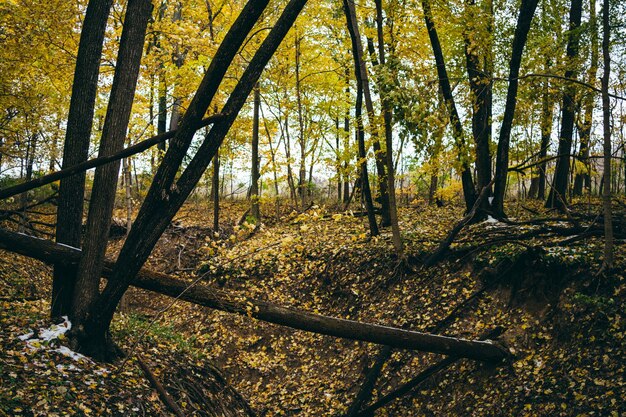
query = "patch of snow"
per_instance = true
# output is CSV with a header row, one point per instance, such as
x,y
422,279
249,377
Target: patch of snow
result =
x,y
64,350
70,367
490,200
67,246
491,219
46,339
55,330
26,336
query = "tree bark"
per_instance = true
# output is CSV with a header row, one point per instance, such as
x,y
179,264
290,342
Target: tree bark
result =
x,y
338,162
481,95
216,192
138,13
167,194
557,198
418,379
524,20
365,392
302,186
583,178
469,192
607,262
387,121
254,186
359,71
362,78
261,310
79,123
547,108
346,144
178,57
365,182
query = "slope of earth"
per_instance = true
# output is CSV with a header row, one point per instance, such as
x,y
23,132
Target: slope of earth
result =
x,y
563,325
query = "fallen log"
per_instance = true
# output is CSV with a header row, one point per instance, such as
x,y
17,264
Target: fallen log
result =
x,y
51,252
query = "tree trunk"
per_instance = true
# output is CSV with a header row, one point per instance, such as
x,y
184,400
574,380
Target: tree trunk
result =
x,y
362,86
301,134
72,190
481,95
273,161
557,198
607,263
126,162
469,192
346,144
387,119
167,192
583,178
432,189
178,57
524,20
338,162
138,13
379,154
290,180
547,108
254,186
365,182
162,117
216,192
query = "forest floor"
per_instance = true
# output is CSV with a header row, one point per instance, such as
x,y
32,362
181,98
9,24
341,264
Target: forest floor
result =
x,y
535,280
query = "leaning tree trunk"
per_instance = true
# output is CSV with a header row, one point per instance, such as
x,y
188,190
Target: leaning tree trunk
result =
x,y
469,192
362,92
75,150
557,198
138,13
524,19
361,72
167,192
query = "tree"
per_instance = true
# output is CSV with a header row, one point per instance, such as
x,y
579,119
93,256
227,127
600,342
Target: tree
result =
x,y
607,262
588,102
380,155
168,191
478,61
79,123
557,198
387,122
361,85
526,13
136,19
254,186
469,192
